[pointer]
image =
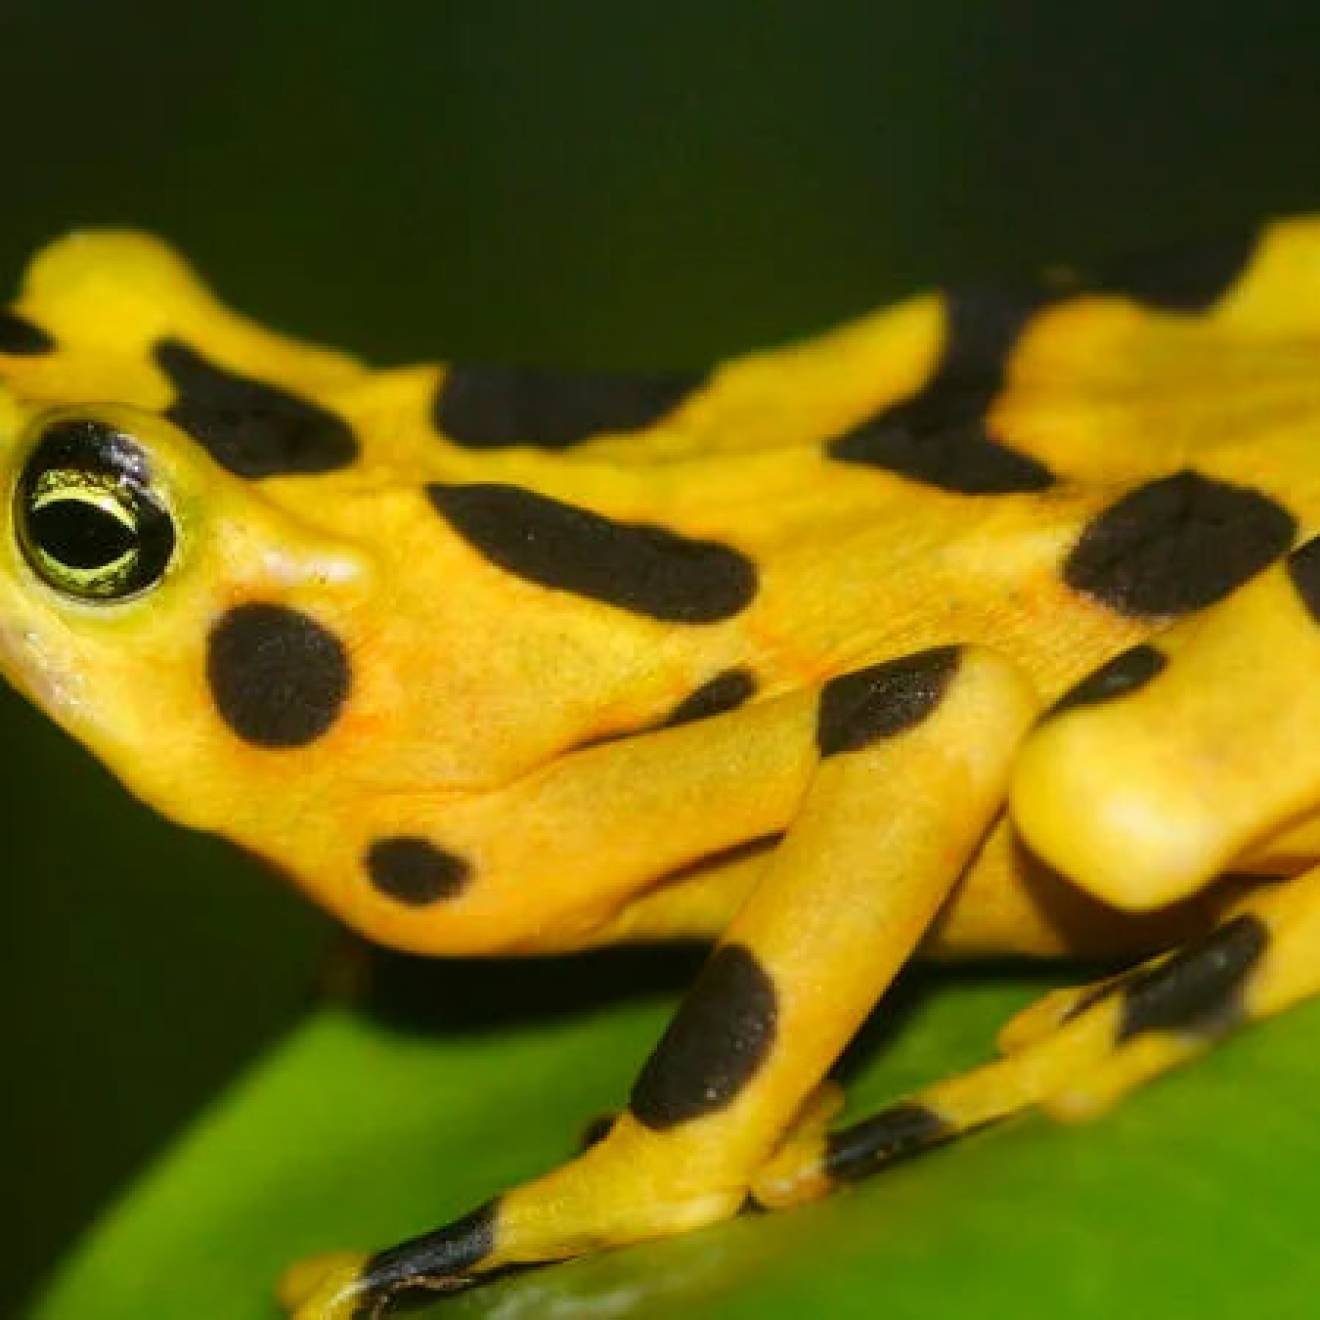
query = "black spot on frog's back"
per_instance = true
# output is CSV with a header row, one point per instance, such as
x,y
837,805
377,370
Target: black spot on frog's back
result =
x,y
248,426
487,406
1177,544
939,436
1183,277
23,338
634,566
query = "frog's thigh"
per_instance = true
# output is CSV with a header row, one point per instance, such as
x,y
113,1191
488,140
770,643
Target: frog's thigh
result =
x,y
1181,757
914,757
1263,957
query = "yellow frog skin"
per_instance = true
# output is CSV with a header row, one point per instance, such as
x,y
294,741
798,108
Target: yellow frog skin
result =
x,y
985,624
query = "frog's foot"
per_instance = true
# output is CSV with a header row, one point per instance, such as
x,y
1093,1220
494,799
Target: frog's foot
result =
x,y
1075,1053
355,1286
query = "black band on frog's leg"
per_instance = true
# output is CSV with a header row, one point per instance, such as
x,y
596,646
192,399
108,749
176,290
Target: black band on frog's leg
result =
x,y
435,1262
894,1134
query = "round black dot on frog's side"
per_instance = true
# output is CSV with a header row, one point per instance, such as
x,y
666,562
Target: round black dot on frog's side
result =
x,y
486,406
1304,570
248,426
634,566
1184,278
277,677
1126,672
1177,544
414,871
22,338
861,707
715,1045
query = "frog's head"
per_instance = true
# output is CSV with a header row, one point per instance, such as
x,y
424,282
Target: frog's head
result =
x,y
135,548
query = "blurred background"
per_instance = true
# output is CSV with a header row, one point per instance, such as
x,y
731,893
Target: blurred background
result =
x,y
583,183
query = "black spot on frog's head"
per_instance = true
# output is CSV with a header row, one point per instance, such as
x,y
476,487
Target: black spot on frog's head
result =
x,y
278,677
252,428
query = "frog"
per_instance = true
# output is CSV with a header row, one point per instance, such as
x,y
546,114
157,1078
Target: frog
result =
x,y
982,625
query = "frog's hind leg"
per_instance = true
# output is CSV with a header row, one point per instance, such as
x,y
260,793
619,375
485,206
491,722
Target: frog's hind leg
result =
x,y
843,901
1105,1041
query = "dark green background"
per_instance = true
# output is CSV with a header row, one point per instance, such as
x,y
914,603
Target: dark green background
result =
x,y
603,183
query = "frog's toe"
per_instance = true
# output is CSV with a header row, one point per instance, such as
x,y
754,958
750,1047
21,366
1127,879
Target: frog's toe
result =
x,y
326,1287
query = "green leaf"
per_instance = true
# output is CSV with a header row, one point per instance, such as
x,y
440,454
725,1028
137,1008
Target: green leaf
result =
x,y
1198,1196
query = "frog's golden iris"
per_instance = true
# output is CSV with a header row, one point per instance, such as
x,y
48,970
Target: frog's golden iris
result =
x,y
796,656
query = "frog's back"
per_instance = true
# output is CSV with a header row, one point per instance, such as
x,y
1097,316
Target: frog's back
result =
x,y
930,471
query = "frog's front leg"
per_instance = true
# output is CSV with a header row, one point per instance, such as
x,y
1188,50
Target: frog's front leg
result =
x,y
913,757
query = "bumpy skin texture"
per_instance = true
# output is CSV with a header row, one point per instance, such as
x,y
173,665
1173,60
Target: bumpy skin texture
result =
x,y
493,659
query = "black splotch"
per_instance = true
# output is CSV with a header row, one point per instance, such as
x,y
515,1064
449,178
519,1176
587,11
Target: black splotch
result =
x,y
278,678
961,457
485,406
1177,544
859,708
893,1134
433,1263
719,695
22,338
634,566
414,871
248,426
715,1044
1199,988
939,435
1126,672
1304,570
1181,278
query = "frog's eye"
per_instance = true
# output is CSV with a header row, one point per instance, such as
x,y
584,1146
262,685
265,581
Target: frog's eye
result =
x,y
87,518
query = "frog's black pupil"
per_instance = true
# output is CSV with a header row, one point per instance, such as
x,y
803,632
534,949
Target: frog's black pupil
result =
x,y
79,535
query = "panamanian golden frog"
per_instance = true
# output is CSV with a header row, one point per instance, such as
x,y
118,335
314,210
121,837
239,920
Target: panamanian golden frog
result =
x,y
989,623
